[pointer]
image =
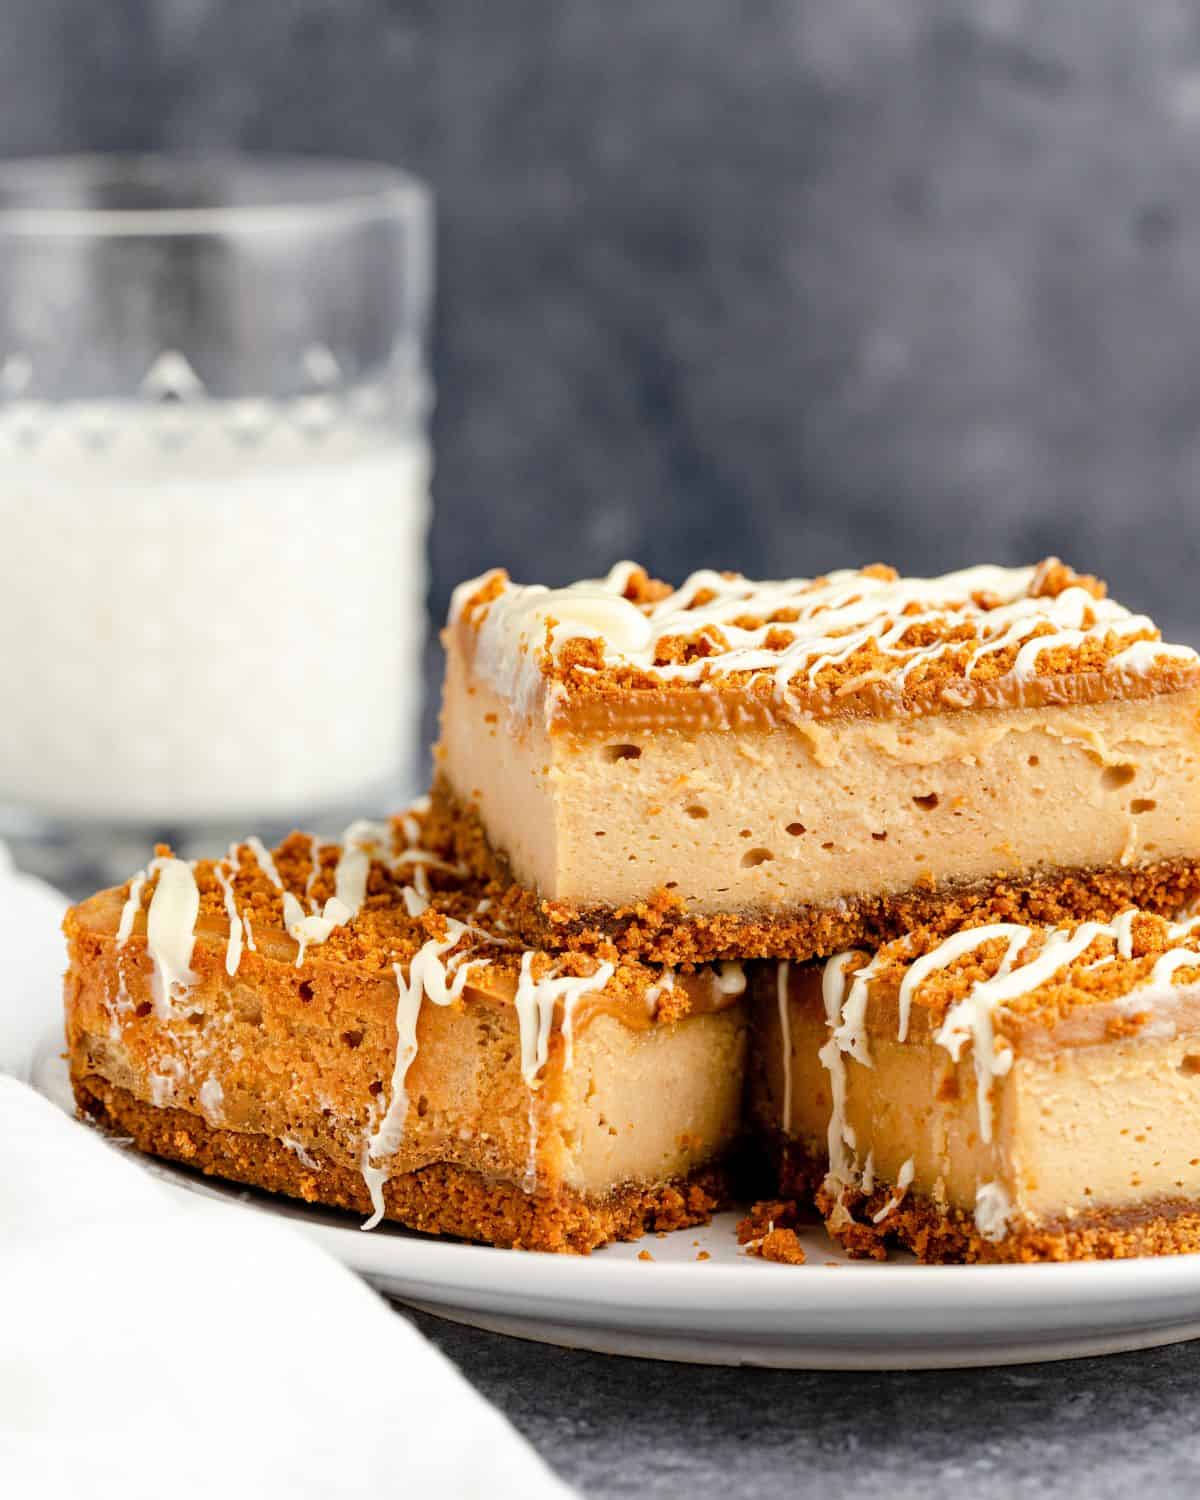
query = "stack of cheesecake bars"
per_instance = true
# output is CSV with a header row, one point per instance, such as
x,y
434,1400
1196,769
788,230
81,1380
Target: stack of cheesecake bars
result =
x,y
873,891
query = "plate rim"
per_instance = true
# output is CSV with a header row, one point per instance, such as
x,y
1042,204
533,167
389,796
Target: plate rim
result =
x,y
1174,1272
1079,1298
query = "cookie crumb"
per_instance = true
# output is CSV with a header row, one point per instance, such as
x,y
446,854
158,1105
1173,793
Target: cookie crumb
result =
x,y
767,1232
644,1255
780,1245
770,1213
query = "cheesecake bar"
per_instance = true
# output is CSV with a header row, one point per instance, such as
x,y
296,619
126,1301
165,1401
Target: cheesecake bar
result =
x,y
351,1024
1006,1093
734,769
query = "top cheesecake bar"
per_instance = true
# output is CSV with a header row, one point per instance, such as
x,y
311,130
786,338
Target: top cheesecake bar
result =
x,y
734,768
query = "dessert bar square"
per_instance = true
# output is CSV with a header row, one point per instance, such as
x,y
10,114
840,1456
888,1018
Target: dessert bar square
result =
x,y
1004,1093
741,769
350,1024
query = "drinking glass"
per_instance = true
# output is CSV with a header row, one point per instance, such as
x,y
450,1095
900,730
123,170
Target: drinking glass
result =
x,y
213,499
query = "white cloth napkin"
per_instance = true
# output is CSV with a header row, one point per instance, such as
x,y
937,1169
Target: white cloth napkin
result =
x,y
158,1348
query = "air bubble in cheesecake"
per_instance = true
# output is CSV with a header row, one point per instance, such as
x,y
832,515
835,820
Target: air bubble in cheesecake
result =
x,y
753,857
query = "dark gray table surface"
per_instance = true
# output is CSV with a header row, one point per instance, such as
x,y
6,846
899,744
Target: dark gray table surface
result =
x,y
612,1427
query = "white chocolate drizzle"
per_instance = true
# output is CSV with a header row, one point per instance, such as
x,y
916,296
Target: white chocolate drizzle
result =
x,y
903,1182
971,1017
428,977
233,944
571,993
301,1153
265,862
949,952
1123,932
535,1000
129,911
731,977
307,928
314,870
829,620
432,977
133,904
359,843
782,972
1142,655
410,821
840,1138
662,986
993,1211
416,900
212,1101
171,930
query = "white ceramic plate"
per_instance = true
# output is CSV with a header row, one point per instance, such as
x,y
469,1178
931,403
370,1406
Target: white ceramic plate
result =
x,y
831,1313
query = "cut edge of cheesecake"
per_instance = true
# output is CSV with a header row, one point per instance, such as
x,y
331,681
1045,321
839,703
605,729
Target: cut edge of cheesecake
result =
x,y
940,1093
868,1225
442,1198
661,930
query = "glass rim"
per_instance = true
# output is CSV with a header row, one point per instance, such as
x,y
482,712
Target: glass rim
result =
x,y
338,191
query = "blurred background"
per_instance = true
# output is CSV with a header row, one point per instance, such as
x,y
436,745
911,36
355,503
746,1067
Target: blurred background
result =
x,y
782,285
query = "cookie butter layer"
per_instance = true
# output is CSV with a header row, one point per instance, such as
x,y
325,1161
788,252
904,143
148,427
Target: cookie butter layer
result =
x,y
723,651
1008,1093
1050,733
357,1006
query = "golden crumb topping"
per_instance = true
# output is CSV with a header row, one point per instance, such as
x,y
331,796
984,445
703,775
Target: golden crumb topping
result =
x,y
1039,973
767,1232
851,634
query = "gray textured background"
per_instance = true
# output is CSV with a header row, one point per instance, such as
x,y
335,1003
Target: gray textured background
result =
x,y
784,284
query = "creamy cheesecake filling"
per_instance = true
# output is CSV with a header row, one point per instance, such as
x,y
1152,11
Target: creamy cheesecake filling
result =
x,y
1108,1126
598,1125
831,810
649,1106
1104,1127
1086,1103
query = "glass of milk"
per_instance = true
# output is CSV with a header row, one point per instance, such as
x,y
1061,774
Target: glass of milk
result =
x,y
213,500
